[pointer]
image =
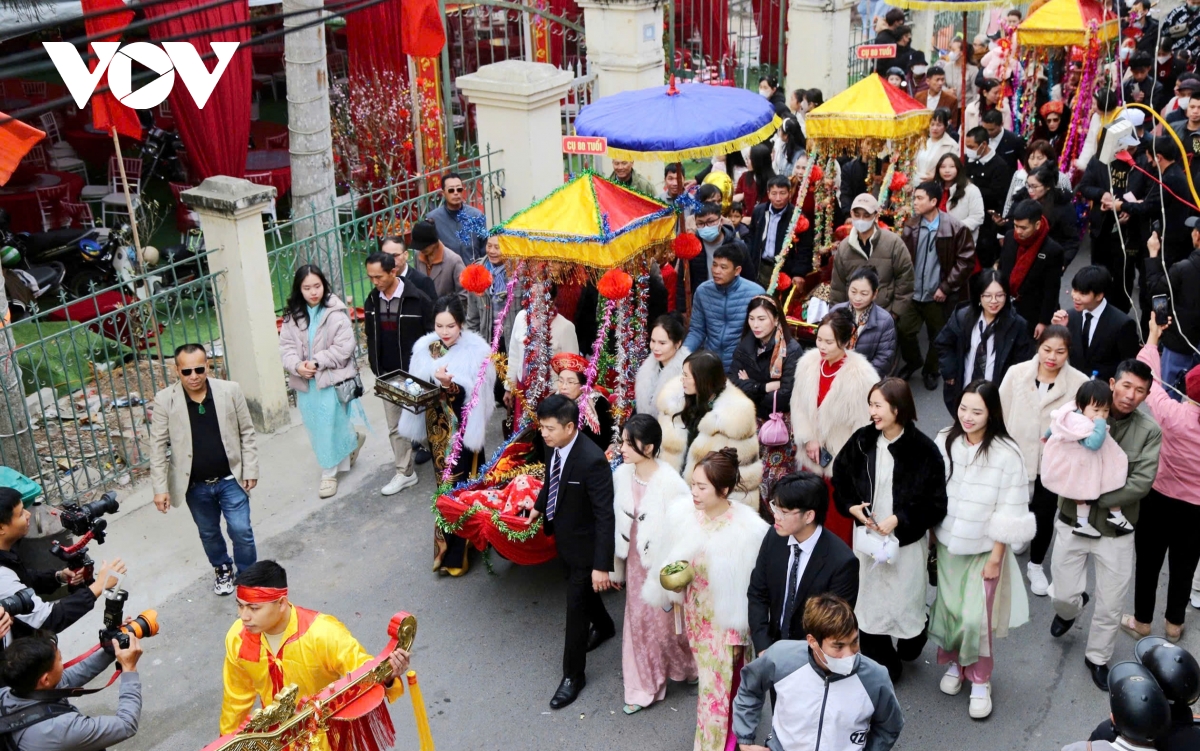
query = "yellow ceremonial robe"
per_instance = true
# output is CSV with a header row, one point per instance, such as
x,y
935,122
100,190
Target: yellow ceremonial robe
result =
x,y
325,652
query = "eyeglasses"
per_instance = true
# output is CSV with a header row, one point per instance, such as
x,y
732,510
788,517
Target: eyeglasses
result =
x,y
568,382
994,297
706,222
453,190
188,371
781,512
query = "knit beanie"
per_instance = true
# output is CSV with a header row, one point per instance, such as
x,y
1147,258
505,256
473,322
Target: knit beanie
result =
x,y
1192,384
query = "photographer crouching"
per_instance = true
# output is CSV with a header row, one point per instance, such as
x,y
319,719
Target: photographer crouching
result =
x,y
16,579
34,712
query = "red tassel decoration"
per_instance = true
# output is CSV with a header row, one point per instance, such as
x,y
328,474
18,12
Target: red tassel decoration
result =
x,y
686,246
784,283
841,233
802,225
371,731
475,279
817,173
615,284
899,180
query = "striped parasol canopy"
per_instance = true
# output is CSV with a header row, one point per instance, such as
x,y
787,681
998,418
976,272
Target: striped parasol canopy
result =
x,y
1064,23
871,108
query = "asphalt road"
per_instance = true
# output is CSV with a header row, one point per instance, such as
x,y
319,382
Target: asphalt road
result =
x,y
488,649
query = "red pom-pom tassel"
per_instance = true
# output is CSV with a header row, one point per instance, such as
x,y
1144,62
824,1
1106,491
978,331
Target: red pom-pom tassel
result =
x,y
615,284
784,283
686,246
802,225
475,279
818,174
899,180
841,233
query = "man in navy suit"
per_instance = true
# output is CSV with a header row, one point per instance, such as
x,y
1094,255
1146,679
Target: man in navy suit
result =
x,y
577,504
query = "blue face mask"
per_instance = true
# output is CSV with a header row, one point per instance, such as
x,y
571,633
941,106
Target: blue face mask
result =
x,y
708,234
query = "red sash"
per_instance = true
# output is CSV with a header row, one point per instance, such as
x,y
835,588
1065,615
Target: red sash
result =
x,y
251,648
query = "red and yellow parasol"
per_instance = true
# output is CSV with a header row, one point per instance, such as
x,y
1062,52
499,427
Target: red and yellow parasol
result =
x,y
1064,23
871,108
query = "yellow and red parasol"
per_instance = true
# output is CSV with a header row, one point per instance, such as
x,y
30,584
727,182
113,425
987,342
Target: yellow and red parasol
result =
x,y
1068,23
871,108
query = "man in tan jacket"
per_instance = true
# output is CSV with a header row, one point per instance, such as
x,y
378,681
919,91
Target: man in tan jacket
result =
x,y
213,462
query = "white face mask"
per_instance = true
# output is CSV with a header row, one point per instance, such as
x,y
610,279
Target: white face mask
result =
x,y
971,154
1125,53
919,70
839,665
1183,102
862,225
1163,58
954,55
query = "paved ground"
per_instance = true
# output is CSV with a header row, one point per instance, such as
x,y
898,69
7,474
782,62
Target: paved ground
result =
x,y
488,647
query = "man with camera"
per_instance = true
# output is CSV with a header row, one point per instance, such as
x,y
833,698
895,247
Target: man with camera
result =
x,y
34,711
29,609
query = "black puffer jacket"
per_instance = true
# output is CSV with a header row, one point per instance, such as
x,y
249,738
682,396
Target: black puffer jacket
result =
x,y
918,480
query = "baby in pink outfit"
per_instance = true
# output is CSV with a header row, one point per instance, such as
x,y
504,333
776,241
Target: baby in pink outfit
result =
x,y
1081,461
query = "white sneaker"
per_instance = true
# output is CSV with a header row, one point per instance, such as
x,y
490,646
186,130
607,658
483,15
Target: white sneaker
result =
x,y
952,681
1196,599
981,701
1085,529
1020,549
1037,579
224,581
399,482
1119,523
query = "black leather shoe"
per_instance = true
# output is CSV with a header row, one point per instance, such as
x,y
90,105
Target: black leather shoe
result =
x,y
1099,674
907,372
931,381
595,638
1060,626
421,455
568,691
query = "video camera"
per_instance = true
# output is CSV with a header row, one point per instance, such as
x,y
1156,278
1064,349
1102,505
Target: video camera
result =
x,y
85,522
18,603
144,625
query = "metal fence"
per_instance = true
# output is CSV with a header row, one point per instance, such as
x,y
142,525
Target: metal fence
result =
x,y
726,42
579,95
352,228
89,369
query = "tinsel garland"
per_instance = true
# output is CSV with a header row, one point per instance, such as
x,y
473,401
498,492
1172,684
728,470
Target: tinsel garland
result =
x,y
885,188
621,324
468,409
813,156
822,236
538,346
1082,113
594,365
470,228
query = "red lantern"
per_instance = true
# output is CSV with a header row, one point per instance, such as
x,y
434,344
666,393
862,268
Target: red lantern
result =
x,y
899,180
802,225
686,246
784,283
475,279
615,284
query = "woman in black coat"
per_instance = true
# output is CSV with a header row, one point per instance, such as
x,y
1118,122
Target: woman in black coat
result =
x,y
890,478
1002,326
764,369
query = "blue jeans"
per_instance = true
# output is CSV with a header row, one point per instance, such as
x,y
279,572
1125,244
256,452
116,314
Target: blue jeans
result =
x,y
207,503
1175,366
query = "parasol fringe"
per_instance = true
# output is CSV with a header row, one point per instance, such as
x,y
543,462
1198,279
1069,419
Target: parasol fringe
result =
x,y
595,254
949,4
371,732
698,152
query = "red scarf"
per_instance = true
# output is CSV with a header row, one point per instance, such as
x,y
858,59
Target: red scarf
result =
x,y
1027,251
251,647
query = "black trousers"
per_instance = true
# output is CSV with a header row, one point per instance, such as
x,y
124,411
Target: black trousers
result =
x,y
1044,506
879,648
1166,528
585,611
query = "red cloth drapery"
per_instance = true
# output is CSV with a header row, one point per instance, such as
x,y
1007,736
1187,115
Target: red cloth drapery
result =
x,y
707,20
768,15
107,110
217,137
373,40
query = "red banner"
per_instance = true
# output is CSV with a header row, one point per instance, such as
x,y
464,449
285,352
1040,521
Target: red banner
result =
x,y
429,92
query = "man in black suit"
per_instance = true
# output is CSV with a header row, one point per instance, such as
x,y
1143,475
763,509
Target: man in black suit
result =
x,y
796,561
1101,335
577,503
769,225
394,246
1007,145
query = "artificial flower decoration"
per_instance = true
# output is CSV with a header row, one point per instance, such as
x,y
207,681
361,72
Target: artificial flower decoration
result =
x,y
615,284
899,180
686,246
817,172
784,283
475,279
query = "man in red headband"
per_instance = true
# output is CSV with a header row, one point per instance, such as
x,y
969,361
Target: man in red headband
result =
x,y
275,643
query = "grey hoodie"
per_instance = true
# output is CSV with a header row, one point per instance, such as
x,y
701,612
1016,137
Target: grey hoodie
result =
x,y
815,709
74,731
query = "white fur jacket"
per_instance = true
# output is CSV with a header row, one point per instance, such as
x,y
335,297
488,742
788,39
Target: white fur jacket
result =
x,y
843,411
666,491
729,556
462,362
730,423
651,378
988,497
1027,411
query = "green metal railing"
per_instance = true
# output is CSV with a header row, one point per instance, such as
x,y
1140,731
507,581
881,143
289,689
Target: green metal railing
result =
x,y
349,231
89,369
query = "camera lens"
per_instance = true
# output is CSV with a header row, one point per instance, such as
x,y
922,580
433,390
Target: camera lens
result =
x,y
106,505
145,624
19,603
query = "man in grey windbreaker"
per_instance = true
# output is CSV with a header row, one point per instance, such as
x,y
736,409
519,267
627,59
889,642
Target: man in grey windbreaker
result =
x,y
827,695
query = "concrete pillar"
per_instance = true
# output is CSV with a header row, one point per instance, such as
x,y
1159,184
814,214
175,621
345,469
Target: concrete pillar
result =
x,y
922,26
625,51
518,109
230,211
817,56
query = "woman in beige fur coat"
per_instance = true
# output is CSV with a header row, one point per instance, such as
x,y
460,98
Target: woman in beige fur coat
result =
x,y
699,412
829,403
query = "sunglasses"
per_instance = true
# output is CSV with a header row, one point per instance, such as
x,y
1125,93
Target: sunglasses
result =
x,y
188,371
454,190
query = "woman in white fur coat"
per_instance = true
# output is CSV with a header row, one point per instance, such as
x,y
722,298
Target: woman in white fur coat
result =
x,y
646,490
980,593
665,362
451,357
829,403
720,540
701,412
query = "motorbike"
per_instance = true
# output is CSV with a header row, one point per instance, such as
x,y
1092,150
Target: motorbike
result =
x,y
28,287
160,151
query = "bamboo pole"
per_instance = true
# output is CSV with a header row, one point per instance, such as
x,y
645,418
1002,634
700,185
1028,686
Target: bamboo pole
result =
x,y
424,735
137,243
